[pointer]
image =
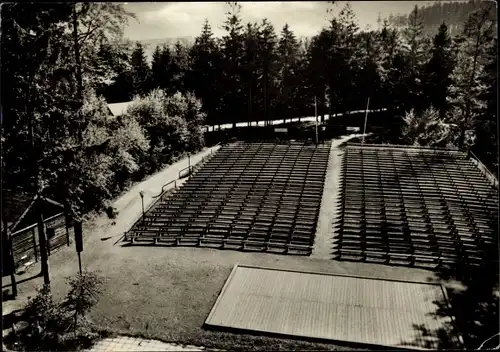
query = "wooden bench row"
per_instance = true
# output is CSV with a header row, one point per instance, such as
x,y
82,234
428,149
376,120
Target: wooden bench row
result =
x,y
228,243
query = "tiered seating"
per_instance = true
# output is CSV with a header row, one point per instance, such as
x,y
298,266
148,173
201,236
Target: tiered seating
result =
x,y
415,207
251,196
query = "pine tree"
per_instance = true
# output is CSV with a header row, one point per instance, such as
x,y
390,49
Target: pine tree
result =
x,y
156,68
340,48
179,68
305,93
166,68
438,71
288,51
203,79
389,47
486,146
318,65
232,55
367,74
251,68
415,58
140,71
115,61
467,88
267,44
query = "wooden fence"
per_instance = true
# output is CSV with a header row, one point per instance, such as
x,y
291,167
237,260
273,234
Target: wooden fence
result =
x,y
25,242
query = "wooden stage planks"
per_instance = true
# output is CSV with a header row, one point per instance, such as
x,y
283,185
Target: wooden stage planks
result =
x,y
328,307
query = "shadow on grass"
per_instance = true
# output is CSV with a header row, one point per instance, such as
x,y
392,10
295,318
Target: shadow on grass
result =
x,y
473,309
22,281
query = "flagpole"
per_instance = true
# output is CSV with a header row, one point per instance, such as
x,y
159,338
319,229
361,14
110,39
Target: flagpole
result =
x,y
366,117
316,117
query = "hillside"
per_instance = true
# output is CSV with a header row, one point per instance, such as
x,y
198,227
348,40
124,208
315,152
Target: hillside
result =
x,y
454,14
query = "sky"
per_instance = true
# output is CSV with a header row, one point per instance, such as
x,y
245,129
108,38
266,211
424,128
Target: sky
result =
x,y
184,19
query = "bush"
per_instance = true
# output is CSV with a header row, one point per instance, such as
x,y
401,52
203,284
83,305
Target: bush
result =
x,y
173,125
61,326
426,129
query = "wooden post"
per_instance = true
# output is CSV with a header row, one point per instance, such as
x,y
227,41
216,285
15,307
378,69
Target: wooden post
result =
x,y
316,117
67,221
366,117
8,243
141,193
79,263
43,242
34,244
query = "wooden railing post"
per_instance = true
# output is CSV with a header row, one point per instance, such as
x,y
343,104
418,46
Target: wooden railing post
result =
x,y
34,244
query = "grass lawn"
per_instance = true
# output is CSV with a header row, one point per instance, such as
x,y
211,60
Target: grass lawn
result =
x,y
167,293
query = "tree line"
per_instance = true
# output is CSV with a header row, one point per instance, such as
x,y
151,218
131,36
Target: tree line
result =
x,y
444,86
252,73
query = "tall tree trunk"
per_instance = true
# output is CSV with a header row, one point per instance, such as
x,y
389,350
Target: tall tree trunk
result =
x,y
78,71
37,206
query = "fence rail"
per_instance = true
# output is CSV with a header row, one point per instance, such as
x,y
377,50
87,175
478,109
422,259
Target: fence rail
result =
x,y
489,175
163,188
408,147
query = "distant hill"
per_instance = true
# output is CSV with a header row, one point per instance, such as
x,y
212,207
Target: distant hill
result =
x,y
454,14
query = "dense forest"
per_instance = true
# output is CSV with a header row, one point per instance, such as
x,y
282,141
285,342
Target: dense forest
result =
x,y
61,63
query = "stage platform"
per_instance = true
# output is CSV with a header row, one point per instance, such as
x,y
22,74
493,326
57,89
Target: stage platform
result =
x,y
328,307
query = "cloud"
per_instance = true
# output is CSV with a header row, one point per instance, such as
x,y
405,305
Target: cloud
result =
x,y
305,18
183,19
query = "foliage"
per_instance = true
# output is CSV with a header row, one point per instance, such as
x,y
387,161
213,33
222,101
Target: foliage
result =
x,y
47,321
84,292
54,325
139,71
172,123
288,50
426,129
438,71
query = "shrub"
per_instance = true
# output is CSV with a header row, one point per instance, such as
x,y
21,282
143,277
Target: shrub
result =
x,y
47,321
426,129
61,325
85,289
173,125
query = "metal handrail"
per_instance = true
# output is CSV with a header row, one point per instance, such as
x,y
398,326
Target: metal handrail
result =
x,y
163,187
402,146
485,169
190,167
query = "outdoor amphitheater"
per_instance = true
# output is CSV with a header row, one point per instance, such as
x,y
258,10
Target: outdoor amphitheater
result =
x,y
399,206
